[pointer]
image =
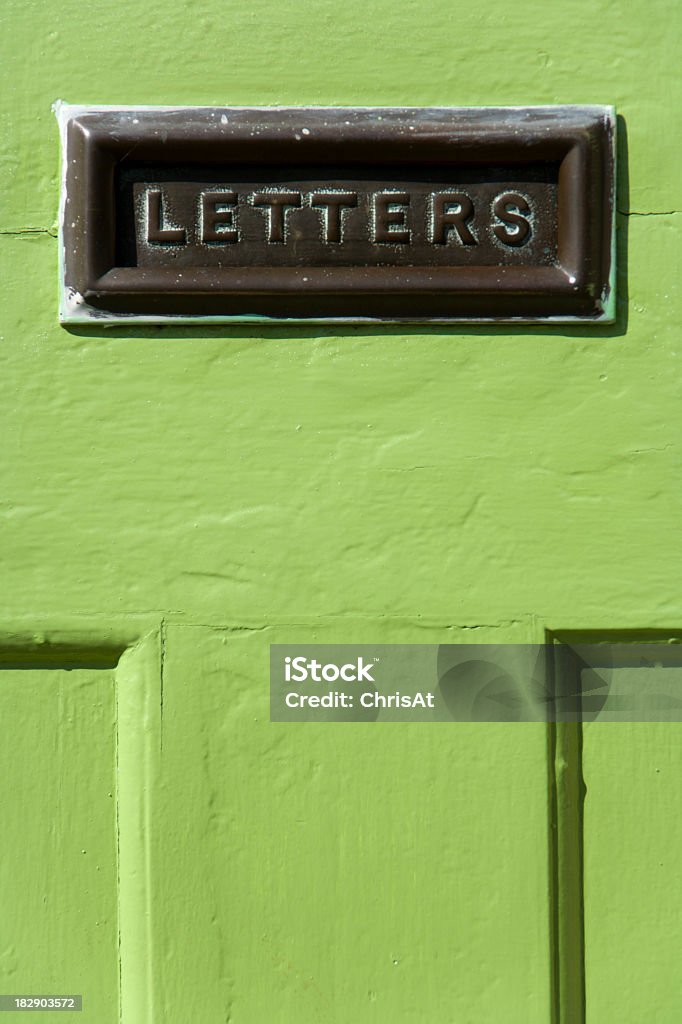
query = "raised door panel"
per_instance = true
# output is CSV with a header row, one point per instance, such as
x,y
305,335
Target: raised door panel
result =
x,y
334,872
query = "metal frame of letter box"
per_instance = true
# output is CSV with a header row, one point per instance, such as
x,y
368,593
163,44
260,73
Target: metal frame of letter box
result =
x,y
580,288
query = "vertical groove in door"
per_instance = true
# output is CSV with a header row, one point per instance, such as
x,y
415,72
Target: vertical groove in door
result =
x,y
566,798
138,728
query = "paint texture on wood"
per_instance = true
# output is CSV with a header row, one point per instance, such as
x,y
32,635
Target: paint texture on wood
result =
x,y
58,865
334,875
364,485
633,898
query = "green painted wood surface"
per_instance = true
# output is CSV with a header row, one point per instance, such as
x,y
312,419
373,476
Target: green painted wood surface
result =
x,y
58,863
633,896
337,875
384,484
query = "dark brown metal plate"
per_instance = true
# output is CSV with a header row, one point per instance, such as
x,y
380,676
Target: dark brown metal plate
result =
x,y
332,213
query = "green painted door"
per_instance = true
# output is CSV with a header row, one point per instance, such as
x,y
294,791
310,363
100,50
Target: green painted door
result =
x,y
174,500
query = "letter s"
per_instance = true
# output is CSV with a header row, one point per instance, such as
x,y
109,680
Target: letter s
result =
x,y
299,667
508,208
